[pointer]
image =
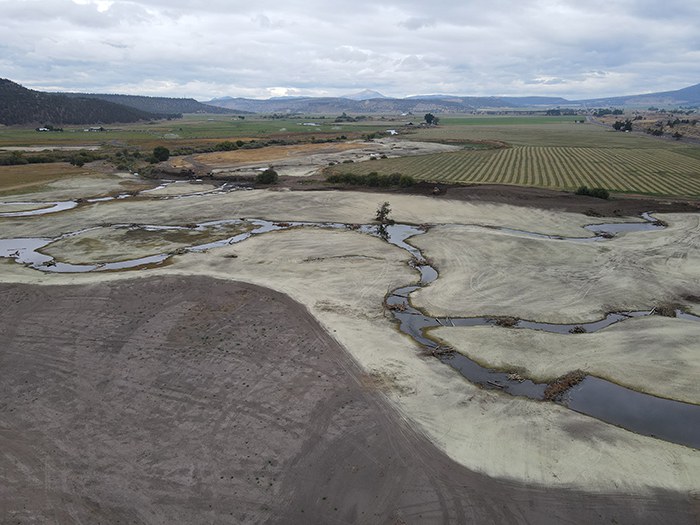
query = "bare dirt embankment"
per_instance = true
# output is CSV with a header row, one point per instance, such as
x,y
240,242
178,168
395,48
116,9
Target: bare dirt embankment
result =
x,y
619,205
187,399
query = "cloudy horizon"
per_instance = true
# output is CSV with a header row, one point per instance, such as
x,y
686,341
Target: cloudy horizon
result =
x,y
264,49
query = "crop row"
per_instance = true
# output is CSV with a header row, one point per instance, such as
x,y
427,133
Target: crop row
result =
x,y
653,171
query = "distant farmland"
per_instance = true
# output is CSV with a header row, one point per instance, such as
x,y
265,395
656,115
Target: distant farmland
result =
x,y
650,171
593,158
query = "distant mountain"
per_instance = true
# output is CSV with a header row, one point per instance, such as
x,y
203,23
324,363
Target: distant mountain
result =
x,y
689,96
430,97
19,105
365,94
537,101
331,105
165,106
287,97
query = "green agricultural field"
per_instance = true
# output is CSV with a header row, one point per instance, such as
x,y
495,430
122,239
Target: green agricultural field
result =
x,y
554,154
191,129
535,131
227,126
506,120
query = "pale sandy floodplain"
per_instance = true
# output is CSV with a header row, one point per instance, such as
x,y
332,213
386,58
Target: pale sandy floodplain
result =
x,y
341,277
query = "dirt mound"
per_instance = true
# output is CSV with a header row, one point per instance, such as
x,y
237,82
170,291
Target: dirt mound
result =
x,y
186,400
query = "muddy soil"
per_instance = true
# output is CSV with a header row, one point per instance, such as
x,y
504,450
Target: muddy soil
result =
x,y
192,400
619,205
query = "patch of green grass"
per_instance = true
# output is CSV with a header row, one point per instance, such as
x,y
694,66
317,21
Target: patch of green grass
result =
x,y
690,152
190,128
535,133
507,120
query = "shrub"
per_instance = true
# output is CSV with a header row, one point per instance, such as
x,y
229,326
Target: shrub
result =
x,y
15,158
666,309
161,153
406,180
269,176
372,179
506,321
599,193
226,145
382,214
560,385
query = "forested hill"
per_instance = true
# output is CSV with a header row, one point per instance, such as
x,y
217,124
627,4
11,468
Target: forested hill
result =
x,y
160,105
19,105
688,96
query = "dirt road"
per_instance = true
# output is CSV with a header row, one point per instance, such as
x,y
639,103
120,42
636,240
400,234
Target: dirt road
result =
x,y
192,400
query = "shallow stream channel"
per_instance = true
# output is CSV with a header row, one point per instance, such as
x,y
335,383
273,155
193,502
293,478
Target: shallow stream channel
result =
x,y
642,413
665,419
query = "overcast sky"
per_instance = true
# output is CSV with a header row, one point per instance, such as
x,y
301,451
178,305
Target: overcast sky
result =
x,y
259,48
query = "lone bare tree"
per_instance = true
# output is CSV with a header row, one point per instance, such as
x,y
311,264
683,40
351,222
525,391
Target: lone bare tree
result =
x,y
383,214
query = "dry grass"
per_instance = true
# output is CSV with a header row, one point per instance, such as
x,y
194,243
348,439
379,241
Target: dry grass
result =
x,y
560,385
506,322
652,120
270,153
27,175
667,309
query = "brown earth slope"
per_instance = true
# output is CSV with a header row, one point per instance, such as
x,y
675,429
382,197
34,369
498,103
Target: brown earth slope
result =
x,y
191,400
619,205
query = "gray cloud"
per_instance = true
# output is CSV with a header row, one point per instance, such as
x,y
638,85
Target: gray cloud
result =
x,y
184,48
417,23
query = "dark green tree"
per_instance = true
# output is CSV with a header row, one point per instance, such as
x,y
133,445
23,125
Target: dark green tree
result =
x,y
77,160
161,153
429,118
623,126
269,176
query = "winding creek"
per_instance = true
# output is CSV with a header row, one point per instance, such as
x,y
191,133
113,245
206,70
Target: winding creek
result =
x,y
642,413
646,414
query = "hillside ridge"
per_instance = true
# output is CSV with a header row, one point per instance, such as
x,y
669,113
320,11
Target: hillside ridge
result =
x,y
20,105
